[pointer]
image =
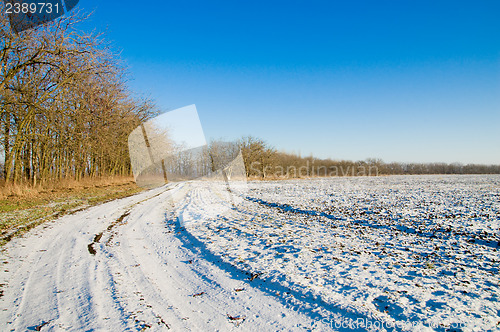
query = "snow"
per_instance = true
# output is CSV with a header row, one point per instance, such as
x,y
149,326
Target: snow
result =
x,y
364,253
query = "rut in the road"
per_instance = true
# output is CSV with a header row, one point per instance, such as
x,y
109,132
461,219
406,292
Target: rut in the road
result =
x,y
98,237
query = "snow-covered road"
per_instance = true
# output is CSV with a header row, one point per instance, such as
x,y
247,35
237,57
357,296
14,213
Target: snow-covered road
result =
x,y
123,266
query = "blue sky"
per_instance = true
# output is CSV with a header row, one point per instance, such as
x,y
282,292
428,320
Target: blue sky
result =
x,y
396,80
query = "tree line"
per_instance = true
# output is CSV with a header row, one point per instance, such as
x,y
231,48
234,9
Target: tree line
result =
x,y
264,161
65,110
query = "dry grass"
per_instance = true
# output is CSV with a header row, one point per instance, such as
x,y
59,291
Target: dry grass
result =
x,y
23,207
28,191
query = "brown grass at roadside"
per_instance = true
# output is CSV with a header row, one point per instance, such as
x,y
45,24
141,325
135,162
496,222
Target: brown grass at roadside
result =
x,y
24,207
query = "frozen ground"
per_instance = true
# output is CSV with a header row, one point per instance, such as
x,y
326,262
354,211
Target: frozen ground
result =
x,y
402,252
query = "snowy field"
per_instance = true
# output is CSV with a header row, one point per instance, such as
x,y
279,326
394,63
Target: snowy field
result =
x,y
379,253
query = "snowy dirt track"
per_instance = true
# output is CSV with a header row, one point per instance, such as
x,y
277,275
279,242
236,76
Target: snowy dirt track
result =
x,y
121,266
402,252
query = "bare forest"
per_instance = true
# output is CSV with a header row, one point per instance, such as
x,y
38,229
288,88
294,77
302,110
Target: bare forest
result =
x,y
65,108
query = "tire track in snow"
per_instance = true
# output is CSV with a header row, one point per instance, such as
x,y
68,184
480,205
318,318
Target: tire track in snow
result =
x,y
152,260
140,276
34,293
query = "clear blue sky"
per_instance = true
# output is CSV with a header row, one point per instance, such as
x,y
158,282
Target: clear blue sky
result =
x,y
397,80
